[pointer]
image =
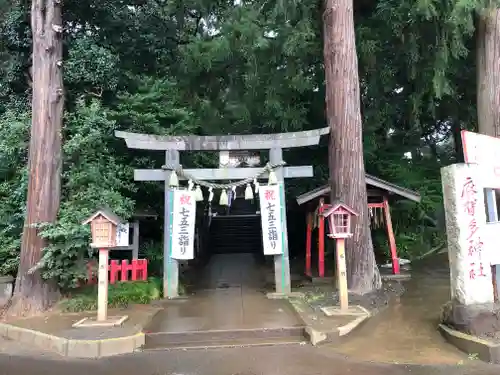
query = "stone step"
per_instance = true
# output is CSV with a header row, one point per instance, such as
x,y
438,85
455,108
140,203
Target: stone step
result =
x,y
231,230
203,338
234,226
234,343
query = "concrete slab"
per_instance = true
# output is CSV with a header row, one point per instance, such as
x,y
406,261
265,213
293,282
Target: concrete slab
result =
x,y
120,345
326,329
355,310
485,350
347,328
112,321
231,309
52,343
400,277
83,348
55,333
275,295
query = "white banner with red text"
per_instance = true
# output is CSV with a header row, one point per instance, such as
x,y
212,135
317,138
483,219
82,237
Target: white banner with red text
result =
x,y
182,219
271,212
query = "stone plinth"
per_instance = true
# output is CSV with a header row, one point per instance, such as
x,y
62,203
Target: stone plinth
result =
x,y
6,287
470,270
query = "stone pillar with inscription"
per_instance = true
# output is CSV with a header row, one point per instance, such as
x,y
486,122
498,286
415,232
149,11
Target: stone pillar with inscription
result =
x,y
470,271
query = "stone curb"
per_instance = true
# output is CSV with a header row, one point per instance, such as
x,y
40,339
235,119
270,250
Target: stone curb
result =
x,y
346,329
317,334
73,348
398,277
487,351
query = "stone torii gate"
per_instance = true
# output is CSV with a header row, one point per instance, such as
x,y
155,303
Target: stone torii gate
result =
x,y
172,145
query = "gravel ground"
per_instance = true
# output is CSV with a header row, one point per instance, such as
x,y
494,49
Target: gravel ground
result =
x,y
326,295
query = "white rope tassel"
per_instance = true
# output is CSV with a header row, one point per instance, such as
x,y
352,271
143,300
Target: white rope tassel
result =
x,y
190,185
173,181
273,180
198,194
223,201
256,185
234,192
210,194
248,193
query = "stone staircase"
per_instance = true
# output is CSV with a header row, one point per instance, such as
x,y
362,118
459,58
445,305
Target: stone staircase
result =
x,y
236,233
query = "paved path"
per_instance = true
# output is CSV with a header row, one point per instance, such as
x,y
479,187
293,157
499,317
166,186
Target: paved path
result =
x,y
407,331
295,360
231,271
230,297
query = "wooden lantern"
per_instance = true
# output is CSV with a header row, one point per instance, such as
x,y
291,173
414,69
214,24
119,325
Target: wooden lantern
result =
x,y
339,220
103,225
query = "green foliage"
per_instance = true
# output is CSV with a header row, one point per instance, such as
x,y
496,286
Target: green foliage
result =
x,y
153,252
93,177
14,136
215,67
120,295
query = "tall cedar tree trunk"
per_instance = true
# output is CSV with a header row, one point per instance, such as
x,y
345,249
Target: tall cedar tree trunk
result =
x,y
347,171
488,72
32,293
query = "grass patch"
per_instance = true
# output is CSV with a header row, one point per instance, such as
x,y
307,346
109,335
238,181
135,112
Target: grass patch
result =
x,y
119,295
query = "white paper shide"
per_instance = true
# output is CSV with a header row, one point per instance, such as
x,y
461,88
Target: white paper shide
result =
x,y
122,234
272,222
183,223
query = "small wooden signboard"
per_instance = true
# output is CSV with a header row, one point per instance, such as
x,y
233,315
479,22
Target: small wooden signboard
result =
x,y
103,224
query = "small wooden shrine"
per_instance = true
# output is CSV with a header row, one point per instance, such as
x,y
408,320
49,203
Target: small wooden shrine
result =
x,y
103,224
380,193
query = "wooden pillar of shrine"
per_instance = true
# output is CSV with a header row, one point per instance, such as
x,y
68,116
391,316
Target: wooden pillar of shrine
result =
x,y
309,226
390,237
321,239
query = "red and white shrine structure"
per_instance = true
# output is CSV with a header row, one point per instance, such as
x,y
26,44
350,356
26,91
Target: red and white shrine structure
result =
x,y
380,194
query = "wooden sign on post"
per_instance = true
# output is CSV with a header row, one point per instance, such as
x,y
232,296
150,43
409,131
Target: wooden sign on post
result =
x,y
342,274
102,291
104,227
339,218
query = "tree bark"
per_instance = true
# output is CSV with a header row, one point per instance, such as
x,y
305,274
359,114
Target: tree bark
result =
x,y
33,293
346,161
488,72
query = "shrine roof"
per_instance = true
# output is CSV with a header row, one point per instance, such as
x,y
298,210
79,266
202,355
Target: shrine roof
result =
x,y
145,213
222,142
371,182
107,213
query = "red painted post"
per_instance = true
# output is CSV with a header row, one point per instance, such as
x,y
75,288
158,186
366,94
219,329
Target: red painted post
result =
x,y
308,243
134,269
321,235
390,235
114,268
125,268
141,270
144,269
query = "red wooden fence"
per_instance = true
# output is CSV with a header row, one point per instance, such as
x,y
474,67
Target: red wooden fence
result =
x,y
137,270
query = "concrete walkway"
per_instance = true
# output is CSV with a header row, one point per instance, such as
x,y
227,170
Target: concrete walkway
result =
x,y
239,271
407,331
230,297
293,360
